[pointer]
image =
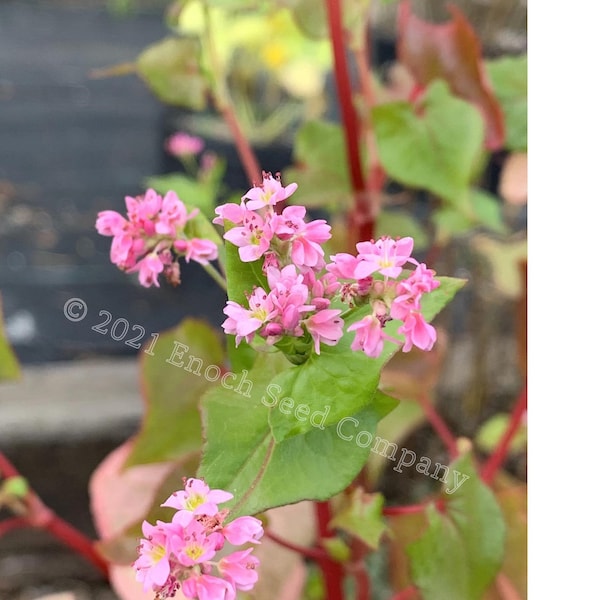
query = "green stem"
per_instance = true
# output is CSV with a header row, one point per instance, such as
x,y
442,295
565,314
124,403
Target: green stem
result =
x,y
216,276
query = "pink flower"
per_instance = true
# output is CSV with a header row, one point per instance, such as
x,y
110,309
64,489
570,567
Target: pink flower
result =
x,y
243,530
245,322
325,326
149,268
386,255
240,569
183,144
200,250
153,562
230,212
269,193
417,332
196,499
207,587
344,265
369,336
173,215
193,546
110,222
253,238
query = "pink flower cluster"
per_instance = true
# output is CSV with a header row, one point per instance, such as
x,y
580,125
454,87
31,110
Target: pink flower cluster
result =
x,y
152,238
299,293
297,301
182,144
182,554
374,275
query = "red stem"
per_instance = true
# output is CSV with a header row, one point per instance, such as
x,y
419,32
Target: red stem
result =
x,y
7,469
333,574
361,579
439,425
496,460
361,225
78,542
244,150
12,523
313,553
391,511
406,594
39,515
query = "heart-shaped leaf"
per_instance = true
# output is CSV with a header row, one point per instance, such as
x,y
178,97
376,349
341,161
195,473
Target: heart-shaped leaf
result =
x,y
462,550
184,363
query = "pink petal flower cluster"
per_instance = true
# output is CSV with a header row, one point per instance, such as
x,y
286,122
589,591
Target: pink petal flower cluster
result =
x,y
297,302
375,275
187,553
183,144
260,231
151,239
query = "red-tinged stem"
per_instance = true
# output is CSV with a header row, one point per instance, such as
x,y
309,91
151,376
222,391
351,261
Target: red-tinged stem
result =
x,y
376,175
392,511
40,516
361,224
78,542
333,574
496,460
12,523
439,425
406,594
313,553
361,579
244,150
506,589
7,469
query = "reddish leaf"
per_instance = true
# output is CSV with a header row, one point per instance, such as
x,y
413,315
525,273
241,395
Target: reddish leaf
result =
x,y
450,51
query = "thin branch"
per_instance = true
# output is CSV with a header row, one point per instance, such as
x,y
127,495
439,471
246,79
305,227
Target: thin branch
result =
x,y
439,425
312,553
393,511
406,594
333,574
361,224
496,460
12,523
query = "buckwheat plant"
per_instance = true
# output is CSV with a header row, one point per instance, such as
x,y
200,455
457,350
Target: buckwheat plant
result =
x,y
182,554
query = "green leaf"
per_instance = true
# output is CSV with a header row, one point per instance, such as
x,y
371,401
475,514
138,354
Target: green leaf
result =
x,y
362,517
9,366
355,374
241,277
311,18
509,81
185,362
491,432
242,456
320,170
436,146
170,69
488,210
399,223
481,210
463,547
432,303
191,192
